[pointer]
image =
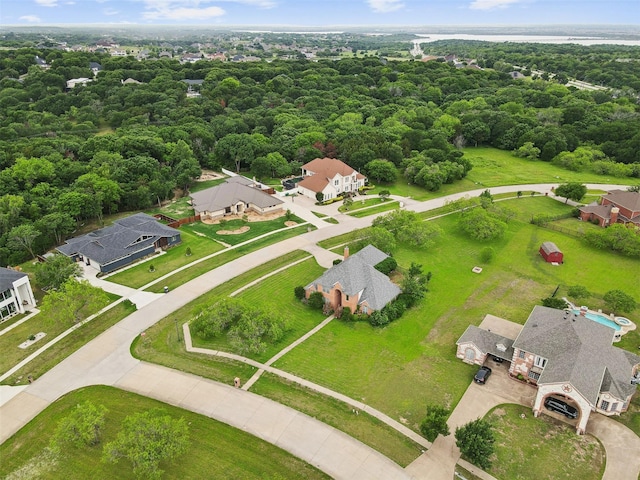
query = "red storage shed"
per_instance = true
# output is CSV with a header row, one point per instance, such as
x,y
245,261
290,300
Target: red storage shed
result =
x,y
551,253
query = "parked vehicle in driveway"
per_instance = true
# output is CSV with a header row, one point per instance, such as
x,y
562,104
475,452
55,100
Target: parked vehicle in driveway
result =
x,y
559,406
497,359
482,375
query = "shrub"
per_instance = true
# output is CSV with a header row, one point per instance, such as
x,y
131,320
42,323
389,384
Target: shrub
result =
x,y
316,300
299,292
487,254
435,423
578,292
346,315
475,441
187,252
378,319
553,302
152,268
618,300
337,261
387,266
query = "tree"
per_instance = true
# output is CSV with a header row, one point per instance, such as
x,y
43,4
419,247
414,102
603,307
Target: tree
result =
x,y
380,238
571,191
381,171
74,300
22,237
578,292
387,265
299,292
146,439
618,300
408,228
553,302
55,271
414,285
482,225
529,151
83,426
435,423
384,194
475,441
319,197
186,171
316,300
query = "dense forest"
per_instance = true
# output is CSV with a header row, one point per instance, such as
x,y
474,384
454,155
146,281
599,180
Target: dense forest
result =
x,y
72,154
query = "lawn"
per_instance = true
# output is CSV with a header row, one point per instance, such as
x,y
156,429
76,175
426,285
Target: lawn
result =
x,y
276,294
173,258
216,450
361,202
550,449
493,167
255,229
176,209
182,277
61,350
381,207
363,426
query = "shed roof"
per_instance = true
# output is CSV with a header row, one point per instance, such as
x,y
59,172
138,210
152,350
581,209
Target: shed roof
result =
x,y
550,247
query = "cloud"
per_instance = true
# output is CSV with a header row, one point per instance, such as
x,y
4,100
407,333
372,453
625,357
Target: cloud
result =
x,y
47,3
110,11
491,4
183,13
31,18
384,6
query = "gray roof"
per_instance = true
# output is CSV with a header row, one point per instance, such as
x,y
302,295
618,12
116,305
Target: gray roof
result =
x,y
357,275
550,247
487,342
7,277
231,192
125,237
192,82
579,351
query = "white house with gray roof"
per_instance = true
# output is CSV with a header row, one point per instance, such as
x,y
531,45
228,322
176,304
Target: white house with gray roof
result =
x,y
15,293
127,240
235,196
355,283
565,355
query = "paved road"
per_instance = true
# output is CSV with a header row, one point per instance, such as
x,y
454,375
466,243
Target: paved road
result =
x,y
107,360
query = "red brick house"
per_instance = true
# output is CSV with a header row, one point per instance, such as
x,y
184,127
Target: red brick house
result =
x,y
355,283
617,206
551,253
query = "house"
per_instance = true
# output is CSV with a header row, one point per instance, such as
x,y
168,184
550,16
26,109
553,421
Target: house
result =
x,y
516,75
235,196
120,244
15,293
95,68
564,354
77,81
329,176
41,62
130,81
355,283
551,253
617,206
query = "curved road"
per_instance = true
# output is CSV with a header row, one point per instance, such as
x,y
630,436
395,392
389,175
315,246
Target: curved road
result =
x,y
107,360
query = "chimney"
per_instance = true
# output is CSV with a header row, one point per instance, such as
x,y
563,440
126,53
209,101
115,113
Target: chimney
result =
x,y
346,253
614,215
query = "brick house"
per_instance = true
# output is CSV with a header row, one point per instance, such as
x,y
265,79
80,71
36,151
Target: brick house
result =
x,y
329,176
15,293
355,283
564,355
617,206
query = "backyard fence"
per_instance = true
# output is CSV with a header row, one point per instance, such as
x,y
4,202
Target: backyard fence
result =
x,y
176,223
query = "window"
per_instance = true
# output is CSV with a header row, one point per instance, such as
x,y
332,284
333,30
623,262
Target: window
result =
x,y
540,362
614,407
533,375
604,405
521,354
337,182
347,298
470,354
365,309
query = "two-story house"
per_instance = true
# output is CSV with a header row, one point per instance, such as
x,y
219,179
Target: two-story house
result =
x,y
564,354
15,293
617,206
329,176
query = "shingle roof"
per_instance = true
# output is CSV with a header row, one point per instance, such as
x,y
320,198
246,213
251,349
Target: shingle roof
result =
x,y
550,247
357,275
603,211
7,277
579,351
323,170
630,200
125,237
487,342
229,193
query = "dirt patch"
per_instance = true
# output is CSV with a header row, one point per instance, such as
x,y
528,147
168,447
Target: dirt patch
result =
x,y
250,217
233,232
290,223
209,175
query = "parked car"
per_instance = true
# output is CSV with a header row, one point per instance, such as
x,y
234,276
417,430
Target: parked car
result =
x,y
482,375
559,406
497,359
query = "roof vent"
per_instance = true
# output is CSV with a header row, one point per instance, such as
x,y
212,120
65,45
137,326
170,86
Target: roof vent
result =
x,y
501,347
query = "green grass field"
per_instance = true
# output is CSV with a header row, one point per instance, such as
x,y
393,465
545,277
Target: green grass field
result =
x,y
383,207
215,450
557,450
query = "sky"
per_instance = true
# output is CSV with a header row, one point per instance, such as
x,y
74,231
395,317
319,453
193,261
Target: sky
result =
x,y
319,12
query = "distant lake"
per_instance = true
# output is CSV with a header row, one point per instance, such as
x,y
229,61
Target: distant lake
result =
x,y
525,39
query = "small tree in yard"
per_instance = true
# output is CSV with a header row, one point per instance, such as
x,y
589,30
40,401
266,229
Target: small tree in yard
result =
x,y
553,302
578,292
55,271
74,300
571,191
145,440
384,194
319,197
620,301
475,441
187,252
347,202
299,292
82,426
435,423
316,300
487,254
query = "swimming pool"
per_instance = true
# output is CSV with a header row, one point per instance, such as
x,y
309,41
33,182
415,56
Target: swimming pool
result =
x,y
601,319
